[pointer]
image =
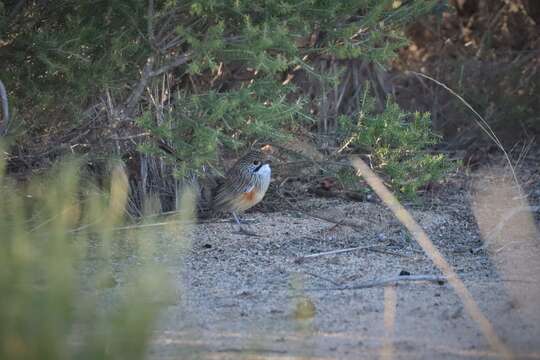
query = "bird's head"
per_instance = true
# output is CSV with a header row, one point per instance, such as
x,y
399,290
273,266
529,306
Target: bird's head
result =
x,y
255,162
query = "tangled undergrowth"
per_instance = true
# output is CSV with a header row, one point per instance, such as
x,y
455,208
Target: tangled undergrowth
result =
x,y
486,51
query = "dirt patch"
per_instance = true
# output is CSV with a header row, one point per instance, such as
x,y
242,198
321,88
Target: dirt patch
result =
x,y
246,297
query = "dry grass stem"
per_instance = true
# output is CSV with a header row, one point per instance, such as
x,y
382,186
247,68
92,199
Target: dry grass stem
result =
x,y
482,123
438,259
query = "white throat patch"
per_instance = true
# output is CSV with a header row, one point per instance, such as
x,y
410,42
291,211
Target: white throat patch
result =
x,y
265,173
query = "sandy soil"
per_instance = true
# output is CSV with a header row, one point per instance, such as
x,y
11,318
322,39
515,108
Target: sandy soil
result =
x,y
243,297
259,297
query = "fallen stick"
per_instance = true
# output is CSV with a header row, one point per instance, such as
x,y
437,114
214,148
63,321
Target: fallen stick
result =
x,y
373,248
388,281
339,251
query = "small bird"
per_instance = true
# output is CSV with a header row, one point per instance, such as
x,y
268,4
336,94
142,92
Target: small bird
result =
x,y
244,185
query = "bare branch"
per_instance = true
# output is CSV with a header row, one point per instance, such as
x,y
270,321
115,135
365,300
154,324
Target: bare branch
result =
x,y
339,251
388,281
135,95
179,60
147,74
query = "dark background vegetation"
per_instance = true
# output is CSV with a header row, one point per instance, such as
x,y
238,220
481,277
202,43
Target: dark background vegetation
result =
x,y
206,79
488,52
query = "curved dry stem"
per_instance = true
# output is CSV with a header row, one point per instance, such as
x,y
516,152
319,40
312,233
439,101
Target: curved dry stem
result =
x,y
434,254
482,124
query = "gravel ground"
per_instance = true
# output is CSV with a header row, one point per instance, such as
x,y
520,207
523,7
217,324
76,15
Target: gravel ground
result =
x,y
244,297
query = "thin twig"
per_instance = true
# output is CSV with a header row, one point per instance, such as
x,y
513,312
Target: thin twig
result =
x,y
393,253
394,280
129,137
177,61
157,224
148,73
339,251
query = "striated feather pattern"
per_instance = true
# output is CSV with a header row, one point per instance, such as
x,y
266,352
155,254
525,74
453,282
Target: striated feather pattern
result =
x,y
244,185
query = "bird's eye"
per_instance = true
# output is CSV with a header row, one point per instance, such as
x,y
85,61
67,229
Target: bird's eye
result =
x,y
256,162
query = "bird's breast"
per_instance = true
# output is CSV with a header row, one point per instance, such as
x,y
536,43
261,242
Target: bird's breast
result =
x,y
256,194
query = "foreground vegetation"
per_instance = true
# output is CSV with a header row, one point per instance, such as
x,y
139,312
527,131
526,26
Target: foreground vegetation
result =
x,y
53,303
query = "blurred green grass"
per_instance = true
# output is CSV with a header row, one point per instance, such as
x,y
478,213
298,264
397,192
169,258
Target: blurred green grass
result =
x,y
69,284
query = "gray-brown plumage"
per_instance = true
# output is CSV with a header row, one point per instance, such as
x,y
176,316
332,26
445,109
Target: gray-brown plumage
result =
x,y
244,185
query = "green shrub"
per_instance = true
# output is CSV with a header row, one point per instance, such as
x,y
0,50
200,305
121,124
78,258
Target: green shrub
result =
x,y
68,64
398,143
197,125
